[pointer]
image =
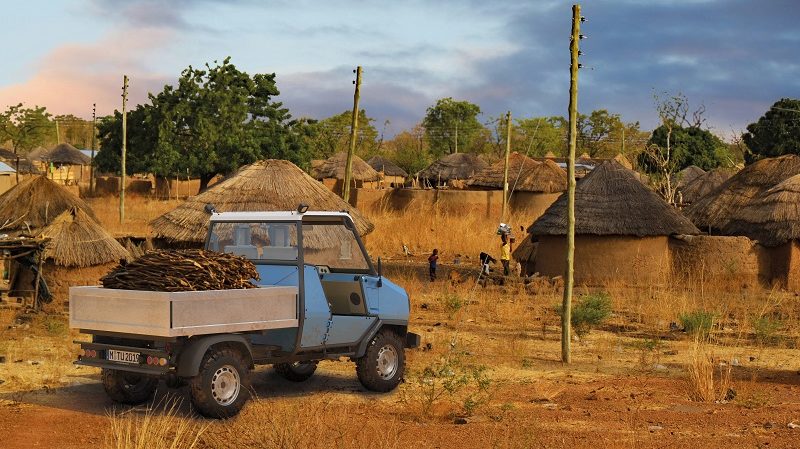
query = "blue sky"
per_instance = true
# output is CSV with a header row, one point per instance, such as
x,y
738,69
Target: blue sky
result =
x,y
734,57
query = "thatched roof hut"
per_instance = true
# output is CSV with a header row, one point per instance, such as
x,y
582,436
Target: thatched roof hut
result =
x,y
716,209
772,218
492,176
623,160
18,162
77,240
704,184
544,177
550,154
37,201
268,185
687,175
36,154
611,201
453,166
66,154
387,167
335,166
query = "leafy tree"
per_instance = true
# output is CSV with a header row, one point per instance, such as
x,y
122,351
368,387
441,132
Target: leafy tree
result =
x,y
332,135
25,128
452,126
777,132
409,150
692,146
74,130
540,134
214,121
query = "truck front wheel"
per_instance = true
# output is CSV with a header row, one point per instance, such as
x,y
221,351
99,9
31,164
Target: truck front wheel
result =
x,y
128,388
221,388
297,371
382,366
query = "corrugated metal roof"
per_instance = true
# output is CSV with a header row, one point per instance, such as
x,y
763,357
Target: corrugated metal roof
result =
x,y
5,168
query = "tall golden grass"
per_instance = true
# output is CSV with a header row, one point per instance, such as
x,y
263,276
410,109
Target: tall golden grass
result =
x,y
162,426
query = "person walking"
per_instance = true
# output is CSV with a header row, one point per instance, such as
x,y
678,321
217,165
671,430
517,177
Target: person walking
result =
x,y
432,260
505,253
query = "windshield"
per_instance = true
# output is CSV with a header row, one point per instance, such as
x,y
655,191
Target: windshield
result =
x,y
334,245
255,241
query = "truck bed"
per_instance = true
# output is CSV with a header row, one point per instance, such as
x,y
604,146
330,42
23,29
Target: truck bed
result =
x,y
177,314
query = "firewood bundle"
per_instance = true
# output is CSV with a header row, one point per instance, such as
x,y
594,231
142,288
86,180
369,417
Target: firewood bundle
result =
x,y
183,270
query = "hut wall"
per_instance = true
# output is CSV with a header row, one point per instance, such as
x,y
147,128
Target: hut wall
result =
x,y
532,205
607,260
60,279
717,263
7,181
784,266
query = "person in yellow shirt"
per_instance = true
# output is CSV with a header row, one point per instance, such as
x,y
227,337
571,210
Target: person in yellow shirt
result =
x,y
505,253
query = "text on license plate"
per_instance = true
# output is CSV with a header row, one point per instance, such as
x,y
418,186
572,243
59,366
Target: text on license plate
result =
x,y
122,356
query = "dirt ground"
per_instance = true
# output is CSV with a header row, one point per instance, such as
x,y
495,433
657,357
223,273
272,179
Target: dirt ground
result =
x,y
627,386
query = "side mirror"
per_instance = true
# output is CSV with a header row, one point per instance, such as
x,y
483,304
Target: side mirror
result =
x,y
380,272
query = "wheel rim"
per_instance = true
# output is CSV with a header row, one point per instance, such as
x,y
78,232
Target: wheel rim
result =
x,y
387,361
225,385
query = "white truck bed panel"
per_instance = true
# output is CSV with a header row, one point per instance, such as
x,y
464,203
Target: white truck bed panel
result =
x,y
176,314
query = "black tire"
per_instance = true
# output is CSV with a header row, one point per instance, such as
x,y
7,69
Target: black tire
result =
x,y
222,386
372,369
297,371
128,388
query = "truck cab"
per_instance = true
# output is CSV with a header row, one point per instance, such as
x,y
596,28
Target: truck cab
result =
x,y
344,307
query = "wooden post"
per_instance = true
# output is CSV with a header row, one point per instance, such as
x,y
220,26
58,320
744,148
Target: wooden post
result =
x,y
348,175
505,170
456,137
566,313
94,135
124,149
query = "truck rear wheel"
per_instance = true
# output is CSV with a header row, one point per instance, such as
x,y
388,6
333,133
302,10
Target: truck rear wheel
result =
x,y
222,386
382,366
297,371
128,388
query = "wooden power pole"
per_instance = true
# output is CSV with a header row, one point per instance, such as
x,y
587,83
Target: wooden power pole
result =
x,y
124,149
348,171
94,139
505,169
566,309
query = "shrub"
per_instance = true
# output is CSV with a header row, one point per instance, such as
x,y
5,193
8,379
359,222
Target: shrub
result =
x,y
452,303
697,323
708,382
589,312
765,328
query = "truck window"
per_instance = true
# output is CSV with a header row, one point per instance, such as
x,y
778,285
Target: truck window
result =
x,y
333,245
255,241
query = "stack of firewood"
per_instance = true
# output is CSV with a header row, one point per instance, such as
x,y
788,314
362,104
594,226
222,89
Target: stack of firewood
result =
x,y
183,270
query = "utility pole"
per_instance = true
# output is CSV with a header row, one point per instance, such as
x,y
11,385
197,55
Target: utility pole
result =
x,y
505,170
566,309
94,135
348,171
456,138
124,149
58,135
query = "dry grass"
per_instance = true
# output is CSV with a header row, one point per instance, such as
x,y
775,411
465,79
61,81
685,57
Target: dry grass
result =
x,y
709,380
139,211
159,427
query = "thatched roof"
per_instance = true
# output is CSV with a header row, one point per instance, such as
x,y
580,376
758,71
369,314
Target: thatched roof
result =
x,y
623,160
772,218
704,184
611,201
36,154
525,251
715,209
336,165
37,201
545,177
77,240
687,175
387,167
454,166
550,154
492,176
66,154
24,166
268,185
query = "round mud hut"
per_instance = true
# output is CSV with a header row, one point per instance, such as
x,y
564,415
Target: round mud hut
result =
x,y
268,185
79,252
713,211
391,174
622,231
687,175
491,177
34,203
537,189
331,173
702,185
453,169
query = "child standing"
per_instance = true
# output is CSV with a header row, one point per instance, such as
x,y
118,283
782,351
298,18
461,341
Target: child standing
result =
x,y
432,259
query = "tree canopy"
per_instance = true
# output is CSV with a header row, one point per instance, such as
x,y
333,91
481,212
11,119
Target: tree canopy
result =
x,y
690,146
214,121
452,126
332,135
25,128
777,132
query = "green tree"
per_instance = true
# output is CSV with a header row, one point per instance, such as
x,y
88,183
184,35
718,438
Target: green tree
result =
x,y
540,134
332,135
777,132
74,130
409,150
452,126
691,146
25,128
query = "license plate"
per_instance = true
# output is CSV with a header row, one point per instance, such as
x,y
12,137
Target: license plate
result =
x,y
122,356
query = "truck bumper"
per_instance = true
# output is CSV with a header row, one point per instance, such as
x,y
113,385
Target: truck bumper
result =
x,y
100,361
412,340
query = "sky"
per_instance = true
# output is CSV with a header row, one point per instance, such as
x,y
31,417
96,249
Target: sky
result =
x,y
733,57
